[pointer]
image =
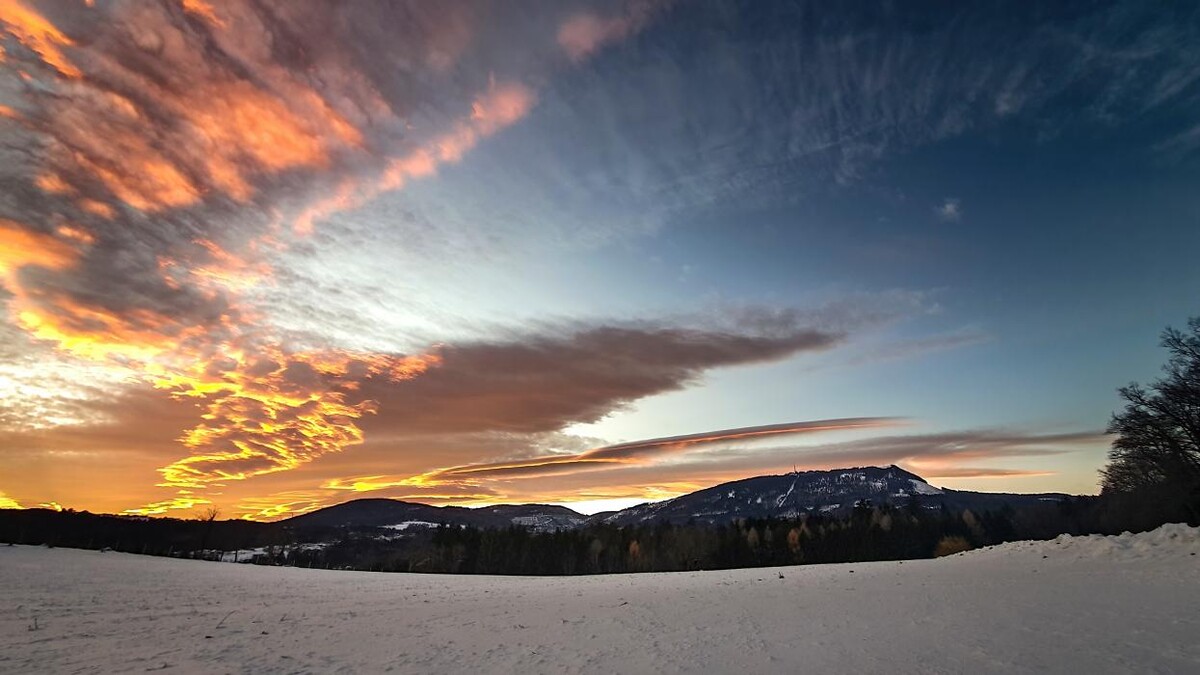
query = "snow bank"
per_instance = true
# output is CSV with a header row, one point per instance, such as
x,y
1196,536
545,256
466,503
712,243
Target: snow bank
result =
x,y
1175,540
1074,604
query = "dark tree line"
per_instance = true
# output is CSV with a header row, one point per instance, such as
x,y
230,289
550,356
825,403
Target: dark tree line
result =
x,y
869,533
135,534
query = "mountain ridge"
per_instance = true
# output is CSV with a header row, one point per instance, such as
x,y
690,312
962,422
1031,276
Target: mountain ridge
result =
x,y
832,491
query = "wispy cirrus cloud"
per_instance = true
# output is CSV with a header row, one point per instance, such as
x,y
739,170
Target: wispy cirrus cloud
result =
x,y
874,85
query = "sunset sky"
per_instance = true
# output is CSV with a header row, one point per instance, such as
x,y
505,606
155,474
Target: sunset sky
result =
x,y
272,255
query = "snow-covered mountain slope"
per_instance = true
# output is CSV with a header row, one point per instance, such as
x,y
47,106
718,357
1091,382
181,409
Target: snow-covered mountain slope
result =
x,y
790,495
1087,604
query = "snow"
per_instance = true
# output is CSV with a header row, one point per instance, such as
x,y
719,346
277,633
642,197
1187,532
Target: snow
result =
x,y
249,555
923,488
1076,604
410,523
243,555
783,497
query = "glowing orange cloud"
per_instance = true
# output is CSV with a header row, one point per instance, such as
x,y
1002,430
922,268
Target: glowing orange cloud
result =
x,y
21,247
263,422
203,10
180,503
226,131
35,32
281,505
266,410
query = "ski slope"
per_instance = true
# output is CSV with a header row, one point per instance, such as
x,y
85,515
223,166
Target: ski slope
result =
x,y
1086,604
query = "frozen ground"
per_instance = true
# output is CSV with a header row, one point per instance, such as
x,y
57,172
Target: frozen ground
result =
x,y
1083,605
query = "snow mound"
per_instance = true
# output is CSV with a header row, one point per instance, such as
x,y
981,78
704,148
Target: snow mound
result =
x,y
1170,540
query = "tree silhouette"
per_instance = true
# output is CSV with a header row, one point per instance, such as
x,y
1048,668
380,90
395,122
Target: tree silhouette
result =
x,y
1158,433
208,516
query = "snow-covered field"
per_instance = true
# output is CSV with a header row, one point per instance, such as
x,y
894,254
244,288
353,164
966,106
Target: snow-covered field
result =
x,y
1074,605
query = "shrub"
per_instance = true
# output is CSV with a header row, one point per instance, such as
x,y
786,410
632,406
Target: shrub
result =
x,y
951,545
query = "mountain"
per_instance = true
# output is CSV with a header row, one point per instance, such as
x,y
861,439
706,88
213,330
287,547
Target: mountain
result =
x,y
391,513
787,496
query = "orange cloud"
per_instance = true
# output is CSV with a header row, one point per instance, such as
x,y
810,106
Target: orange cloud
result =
x,y
39,35
21,247
180,503
281,505
274,411
226,129
205,11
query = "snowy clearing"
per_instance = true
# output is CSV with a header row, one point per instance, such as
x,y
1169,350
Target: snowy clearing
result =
x,y
1086,604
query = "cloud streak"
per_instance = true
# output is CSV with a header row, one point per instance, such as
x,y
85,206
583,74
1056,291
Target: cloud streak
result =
x,y
640,452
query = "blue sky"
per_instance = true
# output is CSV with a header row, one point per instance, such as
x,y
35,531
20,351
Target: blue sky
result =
x,y
973,217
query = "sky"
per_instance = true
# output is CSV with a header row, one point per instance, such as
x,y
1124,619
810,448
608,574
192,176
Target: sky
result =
x,y
269,256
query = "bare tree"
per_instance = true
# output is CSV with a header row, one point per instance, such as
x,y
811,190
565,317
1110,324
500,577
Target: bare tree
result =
x,y
1158,432
209,517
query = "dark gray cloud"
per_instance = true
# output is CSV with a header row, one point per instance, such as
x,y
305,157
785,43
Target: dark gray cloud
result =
x,y
544,381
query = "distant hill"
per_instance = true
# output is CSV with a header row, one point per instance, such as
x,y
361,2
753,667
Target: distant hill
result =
x,y
400,515
833,492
